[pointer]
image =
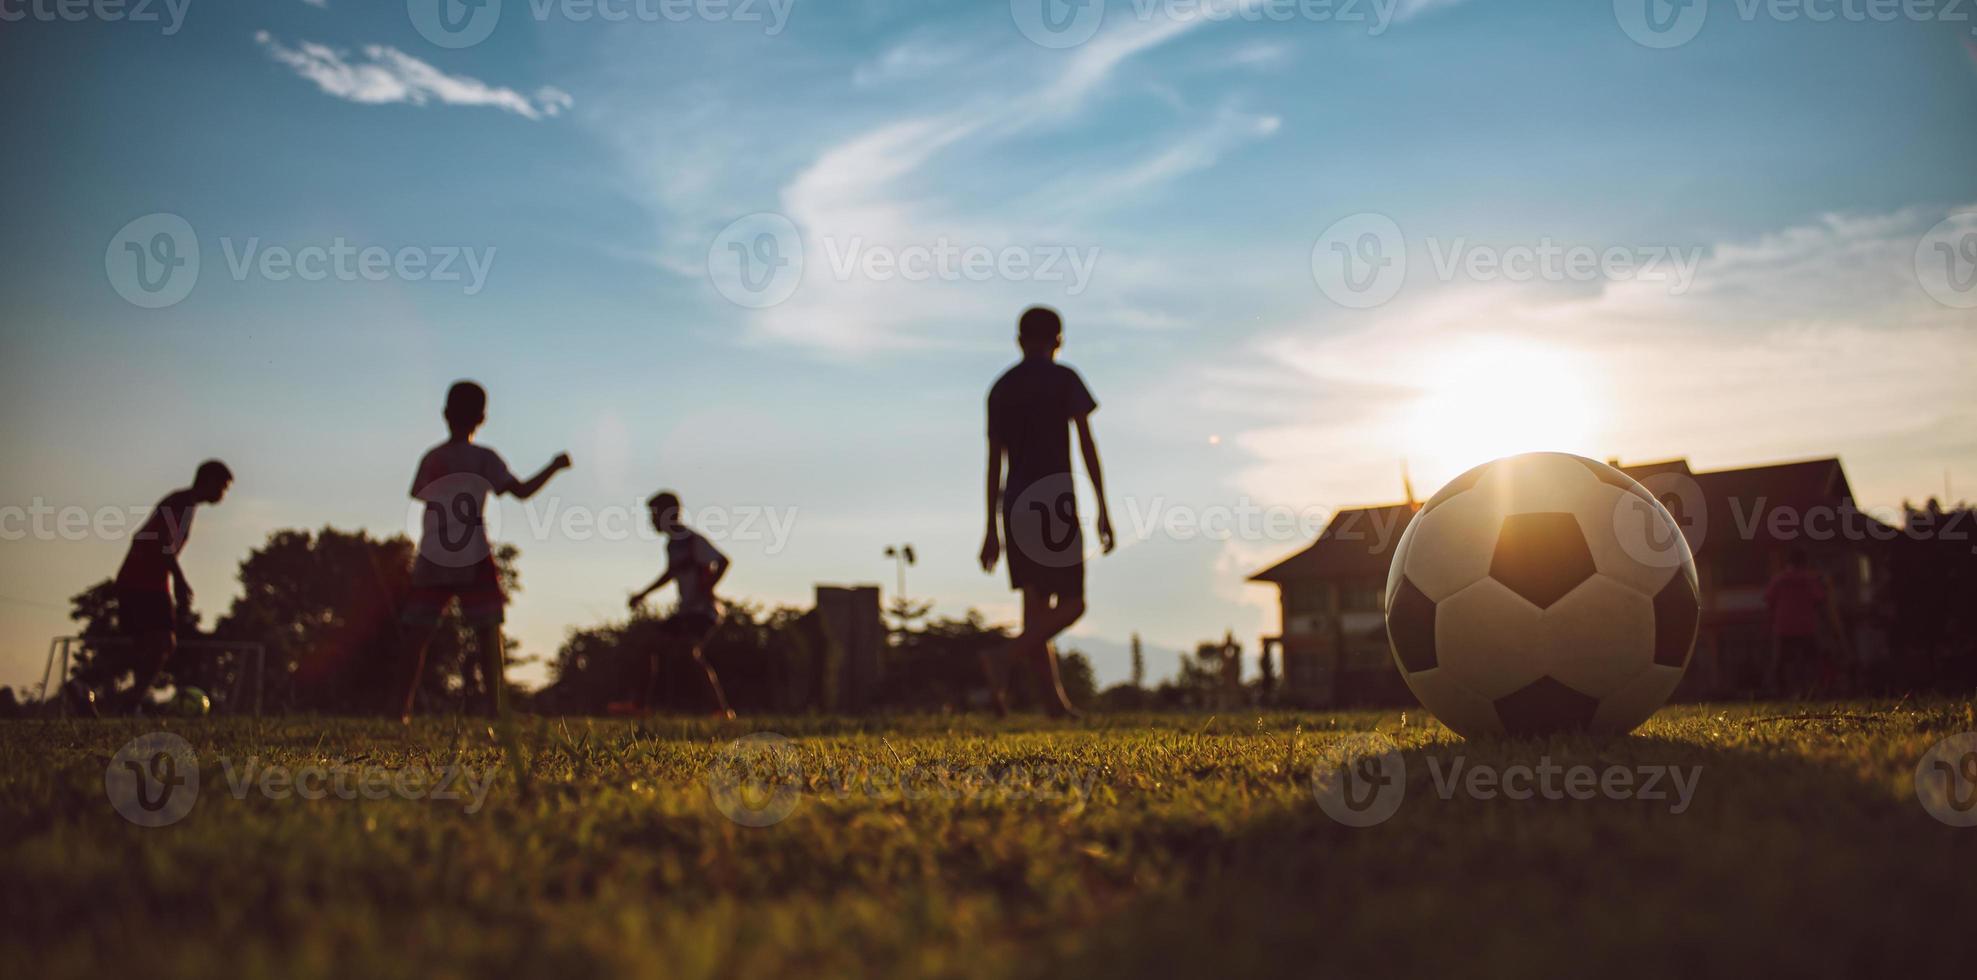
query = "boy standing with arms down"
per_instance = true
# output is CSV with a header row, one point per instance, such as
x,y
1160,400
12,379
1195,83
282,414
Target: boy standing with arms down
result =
x,y
696,566
455,558
1031,411
149,578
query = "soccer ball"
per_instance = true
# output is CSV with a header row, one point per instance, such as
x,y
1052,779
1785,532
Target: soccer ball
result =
x,y
1542,593
191,702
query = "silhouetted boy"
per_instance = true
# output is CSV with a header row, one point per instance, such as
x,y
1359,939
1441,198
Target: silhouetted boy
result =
x,y
1031,411
697,566
455,559
151,574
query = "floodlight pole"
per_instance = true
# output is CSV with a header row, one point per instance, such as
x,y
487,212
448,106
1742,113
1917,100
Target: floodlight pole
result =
x,y
902,556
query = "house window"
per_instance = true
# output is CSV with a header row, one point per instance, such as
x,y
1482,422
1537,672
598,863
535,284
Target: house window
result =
x,y
1306,597
1361,597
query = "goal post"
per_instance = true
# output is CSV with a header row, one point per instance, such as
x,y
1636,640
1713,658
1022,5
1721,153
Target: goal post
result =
x,y
243,696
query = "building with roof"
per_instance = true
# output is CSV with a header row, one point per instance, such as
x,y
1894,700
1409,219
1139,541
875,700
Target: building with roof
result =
x,y
1741,524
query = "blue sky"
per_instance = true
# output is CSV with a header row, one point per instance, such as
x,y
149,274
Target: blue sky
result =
x,y
1198,164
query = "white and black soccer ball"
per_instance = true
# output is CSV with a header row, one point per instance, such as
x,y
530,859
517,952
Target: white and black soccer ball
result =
x,y
1542,593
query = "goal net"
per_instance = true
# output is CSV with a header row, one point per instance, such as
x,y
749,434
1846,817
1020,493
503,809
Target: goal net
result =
x,y
241,667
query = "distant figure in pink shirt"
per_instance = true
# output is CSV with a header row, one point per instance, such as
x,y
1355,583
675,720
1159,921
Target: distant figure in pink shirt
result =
x,y
1795,599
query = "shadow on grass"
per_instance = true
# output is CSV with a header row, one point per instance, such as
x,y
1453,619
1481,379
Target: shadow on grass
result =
x,y
1800,854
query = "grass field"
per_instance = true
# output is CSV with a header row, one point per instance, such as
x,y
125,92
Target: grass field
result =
x,y
1111,847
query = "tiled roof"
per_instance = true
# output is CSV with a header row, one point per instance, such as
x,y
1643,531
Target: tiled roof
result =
x,y
1359,541
1355,543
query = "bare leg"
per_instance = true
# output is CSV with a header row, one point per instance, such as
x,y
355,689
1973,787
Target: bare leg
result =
x,y
998,662
1053,685
411,667
1042,621
494,678
473,674
648,700
995,666
152,650
487,640
714,682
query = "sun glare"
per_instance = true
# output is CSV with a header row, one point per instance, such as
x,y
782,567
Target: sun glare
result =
x,y
1496,397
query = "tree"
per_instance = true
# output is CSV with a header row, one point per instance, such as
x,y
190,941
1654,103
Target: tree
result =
x,y
325,607
1079,679
775,661
103,658
938,666
769,661
1197,683
905,612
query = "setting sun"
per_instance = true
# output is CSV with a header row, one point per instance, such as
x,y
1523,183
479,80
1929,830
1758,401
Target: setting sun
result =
x,y
1494,397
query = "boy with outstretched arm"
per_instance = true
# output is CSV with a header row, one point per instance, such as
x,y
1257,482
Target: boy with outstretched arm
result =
x,y
456,560
697,567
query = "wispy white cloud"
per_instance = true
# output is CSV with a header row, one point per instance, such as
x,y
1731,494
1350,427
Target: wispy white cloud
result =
x,y
1103,54
1812,340
916,58
864,188
1260,54
1191,152
385,75
553,101
961,132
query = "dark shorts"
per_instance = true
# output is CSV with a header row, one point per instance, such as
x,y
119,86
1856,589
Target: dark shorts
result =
x,y
142,611
691,628
1043,541
479,591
